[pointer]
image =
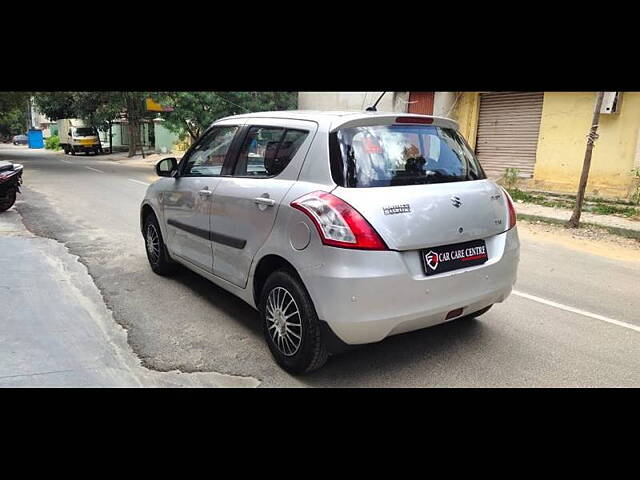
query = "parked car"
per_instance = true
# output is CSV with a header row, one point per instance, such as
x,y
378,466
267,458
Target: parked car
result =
x,y
20,140
340,228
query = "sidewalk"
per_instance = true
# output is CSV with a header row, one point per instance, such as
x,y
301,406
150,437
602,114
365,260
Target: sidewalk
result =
x,y
150,159
123,157
55,329
615,224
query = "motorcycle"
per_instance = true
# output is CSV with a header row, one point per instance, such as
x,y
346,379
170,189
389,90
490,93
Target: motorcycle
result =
x,y
10,181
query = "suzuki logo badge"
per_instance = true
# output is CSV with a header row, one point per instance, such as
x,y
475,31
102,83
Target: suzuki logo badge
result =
x,y
456,201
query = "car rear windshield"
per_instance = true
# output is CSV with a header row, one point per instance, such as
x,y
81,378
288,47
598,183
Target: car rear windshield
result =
x,y
389,155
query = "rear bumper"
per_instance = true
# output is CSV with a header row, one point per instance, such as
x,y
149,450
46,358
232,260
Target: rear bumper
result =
x,y
367,296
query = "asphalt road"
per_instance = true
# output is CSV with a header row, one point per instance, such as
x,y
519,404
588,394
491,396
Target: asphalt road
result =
x,y
574,321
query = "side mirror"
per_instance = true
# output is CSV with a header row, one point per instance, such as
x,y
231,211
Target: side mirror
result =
x,y
166,166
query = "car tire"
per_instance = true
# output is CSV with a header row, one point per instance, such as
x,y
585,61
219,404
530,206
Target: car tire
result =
x,y
73,151
282,293
7,200
157,254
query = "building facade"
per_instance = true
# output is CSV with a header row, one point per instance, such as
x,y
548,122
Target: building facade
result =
x,y
541,134
544,135
426,103
154,136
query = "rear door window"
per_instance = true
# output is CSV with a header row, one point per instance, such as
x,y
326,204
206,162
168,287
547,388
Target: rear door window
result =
x,y
388,155
268,150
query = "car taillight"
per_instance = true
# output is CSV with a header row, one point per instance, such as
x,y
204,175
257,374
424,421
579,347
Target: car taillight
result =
x,y
512,210
338,223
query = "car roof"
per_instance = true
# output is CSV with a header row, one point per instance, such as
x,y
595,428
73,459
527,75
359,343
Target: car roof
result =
x,y
336,118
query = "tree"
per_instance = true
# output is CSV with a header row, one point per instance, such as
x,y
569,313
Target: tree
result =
x,y
193,112
97,109
13,113
56,105
574,221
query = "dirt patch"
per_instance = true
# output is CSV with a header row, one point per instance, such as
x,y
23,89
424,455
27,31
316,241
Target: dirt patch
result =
x,y
587,239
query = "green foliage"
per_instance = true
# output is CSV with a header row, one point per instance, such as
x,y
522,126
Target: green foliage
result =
x,y
13,113
52,143
13,100
598,206
607,209
12,122
56,105
519,195
510,178
193,112
97,109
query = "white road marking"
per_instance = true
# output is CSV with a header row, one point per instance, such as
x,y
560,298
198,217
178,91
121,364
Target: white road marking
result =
x,y
94,169
65,161
578,311
138,181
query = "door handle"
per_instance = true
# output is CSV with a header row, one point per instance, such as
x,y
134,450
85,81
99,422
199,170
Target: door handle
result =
x,y
205,193
269,202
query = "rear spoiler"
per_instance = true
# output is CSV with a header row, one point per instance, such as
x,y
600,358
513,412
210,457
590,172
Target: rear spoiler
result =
x,y
395,119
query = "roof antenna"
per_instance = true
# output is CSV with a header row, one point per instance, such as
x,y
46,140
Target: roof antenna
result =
x,y
373,108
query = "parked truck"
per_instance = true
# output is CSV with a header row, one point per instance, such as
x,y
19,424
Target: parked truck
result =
x,y
76,137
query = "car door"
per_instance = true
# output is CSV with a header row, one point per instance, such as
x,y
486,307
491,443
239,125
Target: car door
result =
x,y
187,205
246,203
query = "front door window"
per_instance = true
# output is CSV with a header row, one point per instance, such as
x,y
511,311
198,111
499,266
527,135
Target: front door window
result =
x,y
207,157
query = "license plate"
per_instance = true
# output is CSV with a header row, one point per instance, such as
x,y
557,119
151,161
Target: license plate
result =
x,y
453,257
86,142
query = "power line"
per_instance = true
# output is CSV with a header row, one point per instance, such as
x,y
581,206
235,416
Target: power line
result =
x,y
229,101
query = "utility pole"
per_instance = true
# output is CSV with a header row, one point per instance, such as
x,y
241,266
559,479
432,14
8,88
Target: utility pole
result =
x,y
574,221
142,139
110,136
29,119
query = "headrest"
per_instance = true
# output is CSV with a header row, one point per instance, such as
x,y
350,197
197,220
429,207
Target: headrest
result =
x,y
276,159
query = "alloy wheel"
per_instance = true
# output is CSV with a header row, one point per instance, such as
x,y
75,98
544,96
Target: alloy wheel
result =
x,y
153,243
283,321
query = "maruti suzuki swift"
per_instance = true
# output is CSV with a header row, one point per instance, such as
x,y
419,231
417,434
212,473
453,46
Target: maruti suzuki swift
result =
x,y
340,228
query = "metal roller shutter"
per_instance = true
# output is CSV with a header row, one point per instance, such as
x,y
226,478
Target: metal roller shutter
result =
x,y
508,128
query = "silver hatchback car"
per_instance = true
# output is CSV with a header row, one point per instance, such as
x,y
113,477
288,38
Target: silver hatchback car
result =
x,y
341,228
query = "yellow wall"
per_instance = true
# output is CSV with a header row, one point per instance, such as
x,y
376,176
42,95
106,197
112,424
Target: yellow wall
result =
x,y
466,113
566,118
